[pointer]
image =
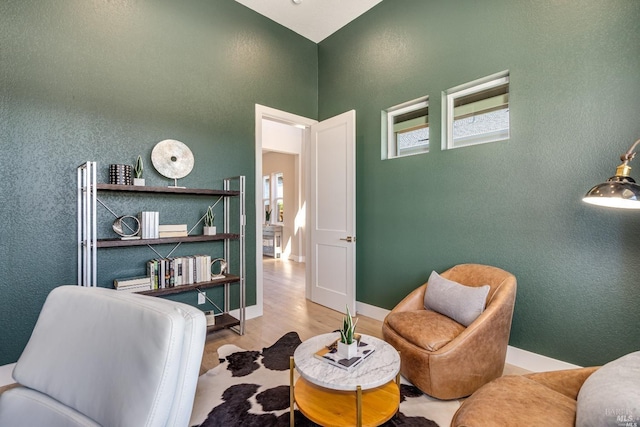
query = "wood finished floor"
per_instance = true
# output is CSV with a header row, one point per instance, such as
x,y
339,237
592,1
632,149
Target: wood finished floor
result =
x,y
285,309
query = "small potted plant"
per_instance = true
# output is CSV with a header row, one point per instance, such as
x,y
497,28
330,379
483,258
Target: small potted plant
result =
x,y
209,229
137,172
267,216
348,344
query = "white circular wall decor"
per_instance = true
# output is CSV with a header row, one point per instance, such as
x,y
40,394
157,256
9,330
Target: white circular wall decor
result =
x,y
172,159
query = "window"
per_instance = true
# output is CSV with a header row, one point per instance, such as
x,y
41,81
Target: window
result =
x,y
278,200
476,112
273,195
266,199
406,129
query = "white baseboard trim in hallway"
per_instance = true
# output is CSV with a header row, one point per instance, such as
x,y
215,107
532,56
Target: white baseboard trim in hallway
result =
x,y
515,356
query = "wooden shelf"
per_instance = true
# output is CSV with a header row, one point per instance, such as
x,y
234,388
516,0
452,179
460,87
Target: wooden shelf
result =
x,y
118,243
223,321
228,278
166,190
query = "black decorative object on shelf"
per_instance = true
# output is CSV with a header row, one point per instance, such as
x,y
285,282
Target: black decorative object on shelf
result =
x,y
121,174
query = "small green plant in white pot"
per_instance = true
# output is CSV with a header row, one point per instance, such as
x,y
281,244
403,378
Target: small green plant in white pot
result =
x,y
267,216
137,172
209,227
348,344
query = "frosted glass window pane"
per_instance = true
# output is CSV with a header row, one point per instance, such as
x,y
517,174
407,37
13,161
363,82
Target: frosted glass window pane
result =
x,y
494,121
415,141
266,188
279,186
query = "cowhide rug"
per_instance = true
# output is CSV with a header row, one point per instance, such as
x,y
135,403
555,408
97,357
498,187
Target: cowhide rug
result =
x,y
251,388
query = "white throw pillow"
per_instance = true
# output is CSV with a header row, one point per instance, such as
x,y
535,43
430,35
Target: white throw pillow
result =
x,y
611,395
461,303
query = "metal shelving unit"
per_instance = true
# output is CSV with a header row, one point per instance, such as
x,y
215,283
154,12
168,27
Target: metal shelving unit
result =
x,y
88,242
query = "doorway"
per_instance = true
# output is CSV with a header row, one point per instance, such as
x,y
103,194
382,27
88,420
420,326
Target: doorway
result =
x,y
280,145
325,168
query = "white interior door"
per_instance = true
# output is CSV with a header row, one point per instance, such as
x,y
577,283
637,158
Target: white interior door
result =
x,y
333,212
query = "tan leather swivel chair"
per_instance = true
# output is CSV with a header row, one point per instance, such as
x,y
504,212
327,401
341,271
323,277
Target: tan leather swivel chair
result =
x,y
440,356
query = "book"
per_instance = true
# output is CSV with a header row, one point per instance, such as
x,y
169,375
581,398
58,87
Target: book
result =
x,y
131,281
172,227
329,354
152,272
162,234
148,224
199,269
178,271
137,288
154,225
171,275
188,274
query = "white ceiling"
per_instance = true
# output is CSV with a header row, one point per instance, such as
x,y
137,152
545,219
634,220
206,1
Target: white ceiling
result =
x,y
313,19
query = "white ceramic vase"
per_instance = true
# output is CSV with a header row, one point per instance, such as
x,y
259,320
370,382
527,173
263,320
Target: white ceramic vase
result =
x,y
138,181
209,231
347,351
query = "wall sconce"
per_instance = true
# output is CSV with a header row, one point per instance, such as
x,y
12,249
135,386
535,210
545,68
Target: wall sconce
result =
x,y
619,191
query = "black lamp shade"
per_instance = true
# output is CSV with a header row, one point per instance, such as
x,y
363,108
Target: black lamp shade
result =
x,y
617,192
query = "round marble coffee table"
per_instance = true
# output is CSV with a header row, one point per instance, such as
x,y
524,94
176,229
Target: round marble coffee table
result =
x,y
368,394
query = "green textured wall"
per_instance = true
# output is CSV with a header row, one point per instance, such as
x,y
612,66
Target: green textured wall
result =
x,y
575,101
106,80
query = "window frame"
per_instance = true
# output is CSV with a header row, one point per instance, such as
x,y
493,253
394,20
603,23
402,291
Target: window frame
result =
x,y
272,199
449,97
390,148
278,199
266,198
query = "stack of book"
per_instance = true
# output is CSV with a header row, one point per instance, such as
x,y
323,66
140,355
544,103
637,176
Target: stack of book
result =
x,y
179,271
133,284
172,230
149,228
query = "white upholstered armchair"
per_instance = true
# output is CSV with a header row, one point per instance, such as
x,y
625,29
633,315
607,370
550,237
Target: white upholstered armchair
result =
x,y
99,357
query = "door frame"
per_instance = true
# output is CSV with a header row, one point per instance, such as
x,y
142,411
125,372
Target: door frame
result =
x,y
263,112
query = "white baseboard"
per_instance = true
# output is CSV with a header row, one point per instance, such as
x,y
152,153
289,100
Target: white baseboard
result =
x,y
371,311
297,258
535,362
517,357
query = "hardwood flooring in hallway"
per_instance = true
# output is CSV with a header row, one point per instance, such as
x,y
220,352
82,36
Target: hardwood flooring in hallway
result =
x,y
285,309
